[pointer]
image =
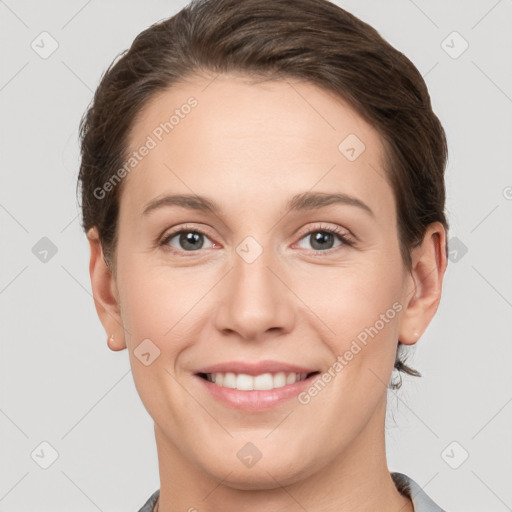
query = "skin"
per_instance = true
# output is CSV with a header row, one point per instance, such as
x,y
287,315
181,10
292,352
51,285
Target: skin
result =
x,y
250,147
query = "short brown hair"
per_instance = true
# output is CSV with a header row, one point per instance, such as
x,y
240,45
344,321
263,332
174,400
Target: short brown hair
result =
x,y
311,40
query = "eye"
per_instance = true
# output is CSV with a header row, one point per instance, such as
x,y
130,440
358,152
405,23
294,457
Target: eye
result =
x,y
192,239
188,240
322,238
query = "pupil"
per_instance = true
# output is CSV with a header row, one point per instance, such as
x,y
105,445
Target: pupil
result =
x,y
321,237
190,238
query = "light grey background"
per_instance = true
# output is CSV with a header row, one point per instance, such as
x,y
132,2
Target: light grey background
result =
x,y
61,384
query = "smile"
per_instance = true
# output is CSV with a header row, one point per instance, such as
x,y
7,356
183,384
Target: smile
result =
x,y
262,382
254,387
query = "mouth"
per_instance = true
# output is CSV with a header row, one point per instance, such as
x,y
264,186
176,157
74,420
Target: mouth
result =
x,y
254,388
262,382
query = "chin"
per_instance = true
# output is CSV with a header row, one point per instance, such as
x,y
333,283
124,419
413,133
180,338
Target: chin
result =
x,y
269,472
259,480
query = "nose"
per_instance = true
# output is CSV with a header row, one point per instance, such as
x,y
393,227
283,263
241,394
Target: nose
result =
x,y
256,302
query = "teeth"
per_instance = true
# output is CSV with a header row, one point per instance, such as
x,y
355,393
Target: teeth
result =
x,y
279,380
261,382
244,382
229,380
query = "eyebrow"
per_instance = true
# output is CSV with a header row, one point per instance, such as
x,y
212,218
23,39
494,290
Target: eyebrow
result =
x,y
300,202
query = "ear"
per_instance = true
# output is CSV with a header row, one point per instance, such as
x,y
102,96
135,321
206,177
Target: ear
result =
x,y
423,289
105,293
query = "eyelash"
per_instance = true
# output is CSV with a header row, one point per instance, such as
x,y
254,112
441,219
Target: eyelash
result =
x,y
346,239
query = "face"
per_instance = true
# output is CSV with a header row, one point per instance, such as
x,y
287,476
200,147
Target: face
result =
x,y
283,268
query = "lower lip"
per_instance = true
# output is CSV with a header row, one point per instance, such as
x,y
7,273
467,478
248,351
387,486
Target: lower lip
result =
x,y
256,400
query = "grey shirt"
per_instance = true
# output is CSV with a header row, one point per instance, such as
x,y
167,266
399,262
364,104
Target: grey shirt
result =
x,y
406,486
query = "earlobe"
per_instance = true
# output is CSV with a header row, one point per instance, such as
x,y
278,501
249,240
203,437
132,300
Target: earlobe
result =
x,y
423,291
115,344
104,290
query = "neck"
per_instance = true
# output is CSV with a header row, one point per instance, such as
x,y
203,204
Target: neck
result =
x,y
356,480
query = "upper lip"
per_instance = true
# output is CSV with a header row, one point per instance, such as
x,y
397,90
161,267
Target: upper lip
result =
x,y
251,368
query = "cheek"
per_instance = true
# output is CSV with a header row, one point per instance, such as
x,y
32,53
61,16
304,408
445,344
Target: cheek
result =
x,y
157,312
353,297
361,306
161,311
153,299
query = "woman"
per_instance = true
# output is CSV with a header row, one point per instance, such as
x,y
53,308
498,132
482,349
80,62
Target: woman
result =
x,y
263,193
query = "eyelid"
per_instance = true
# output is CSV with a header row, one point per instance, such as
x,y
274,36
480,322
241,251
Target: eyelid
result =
x,y
335,229
171,233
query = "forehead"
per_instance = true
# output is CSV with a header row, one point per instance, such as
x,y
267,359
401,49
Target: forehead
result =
x,y
253,139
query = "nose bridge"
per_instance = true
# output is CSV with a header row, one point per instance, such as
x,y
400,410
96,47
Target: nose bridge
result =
x,y
255,298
